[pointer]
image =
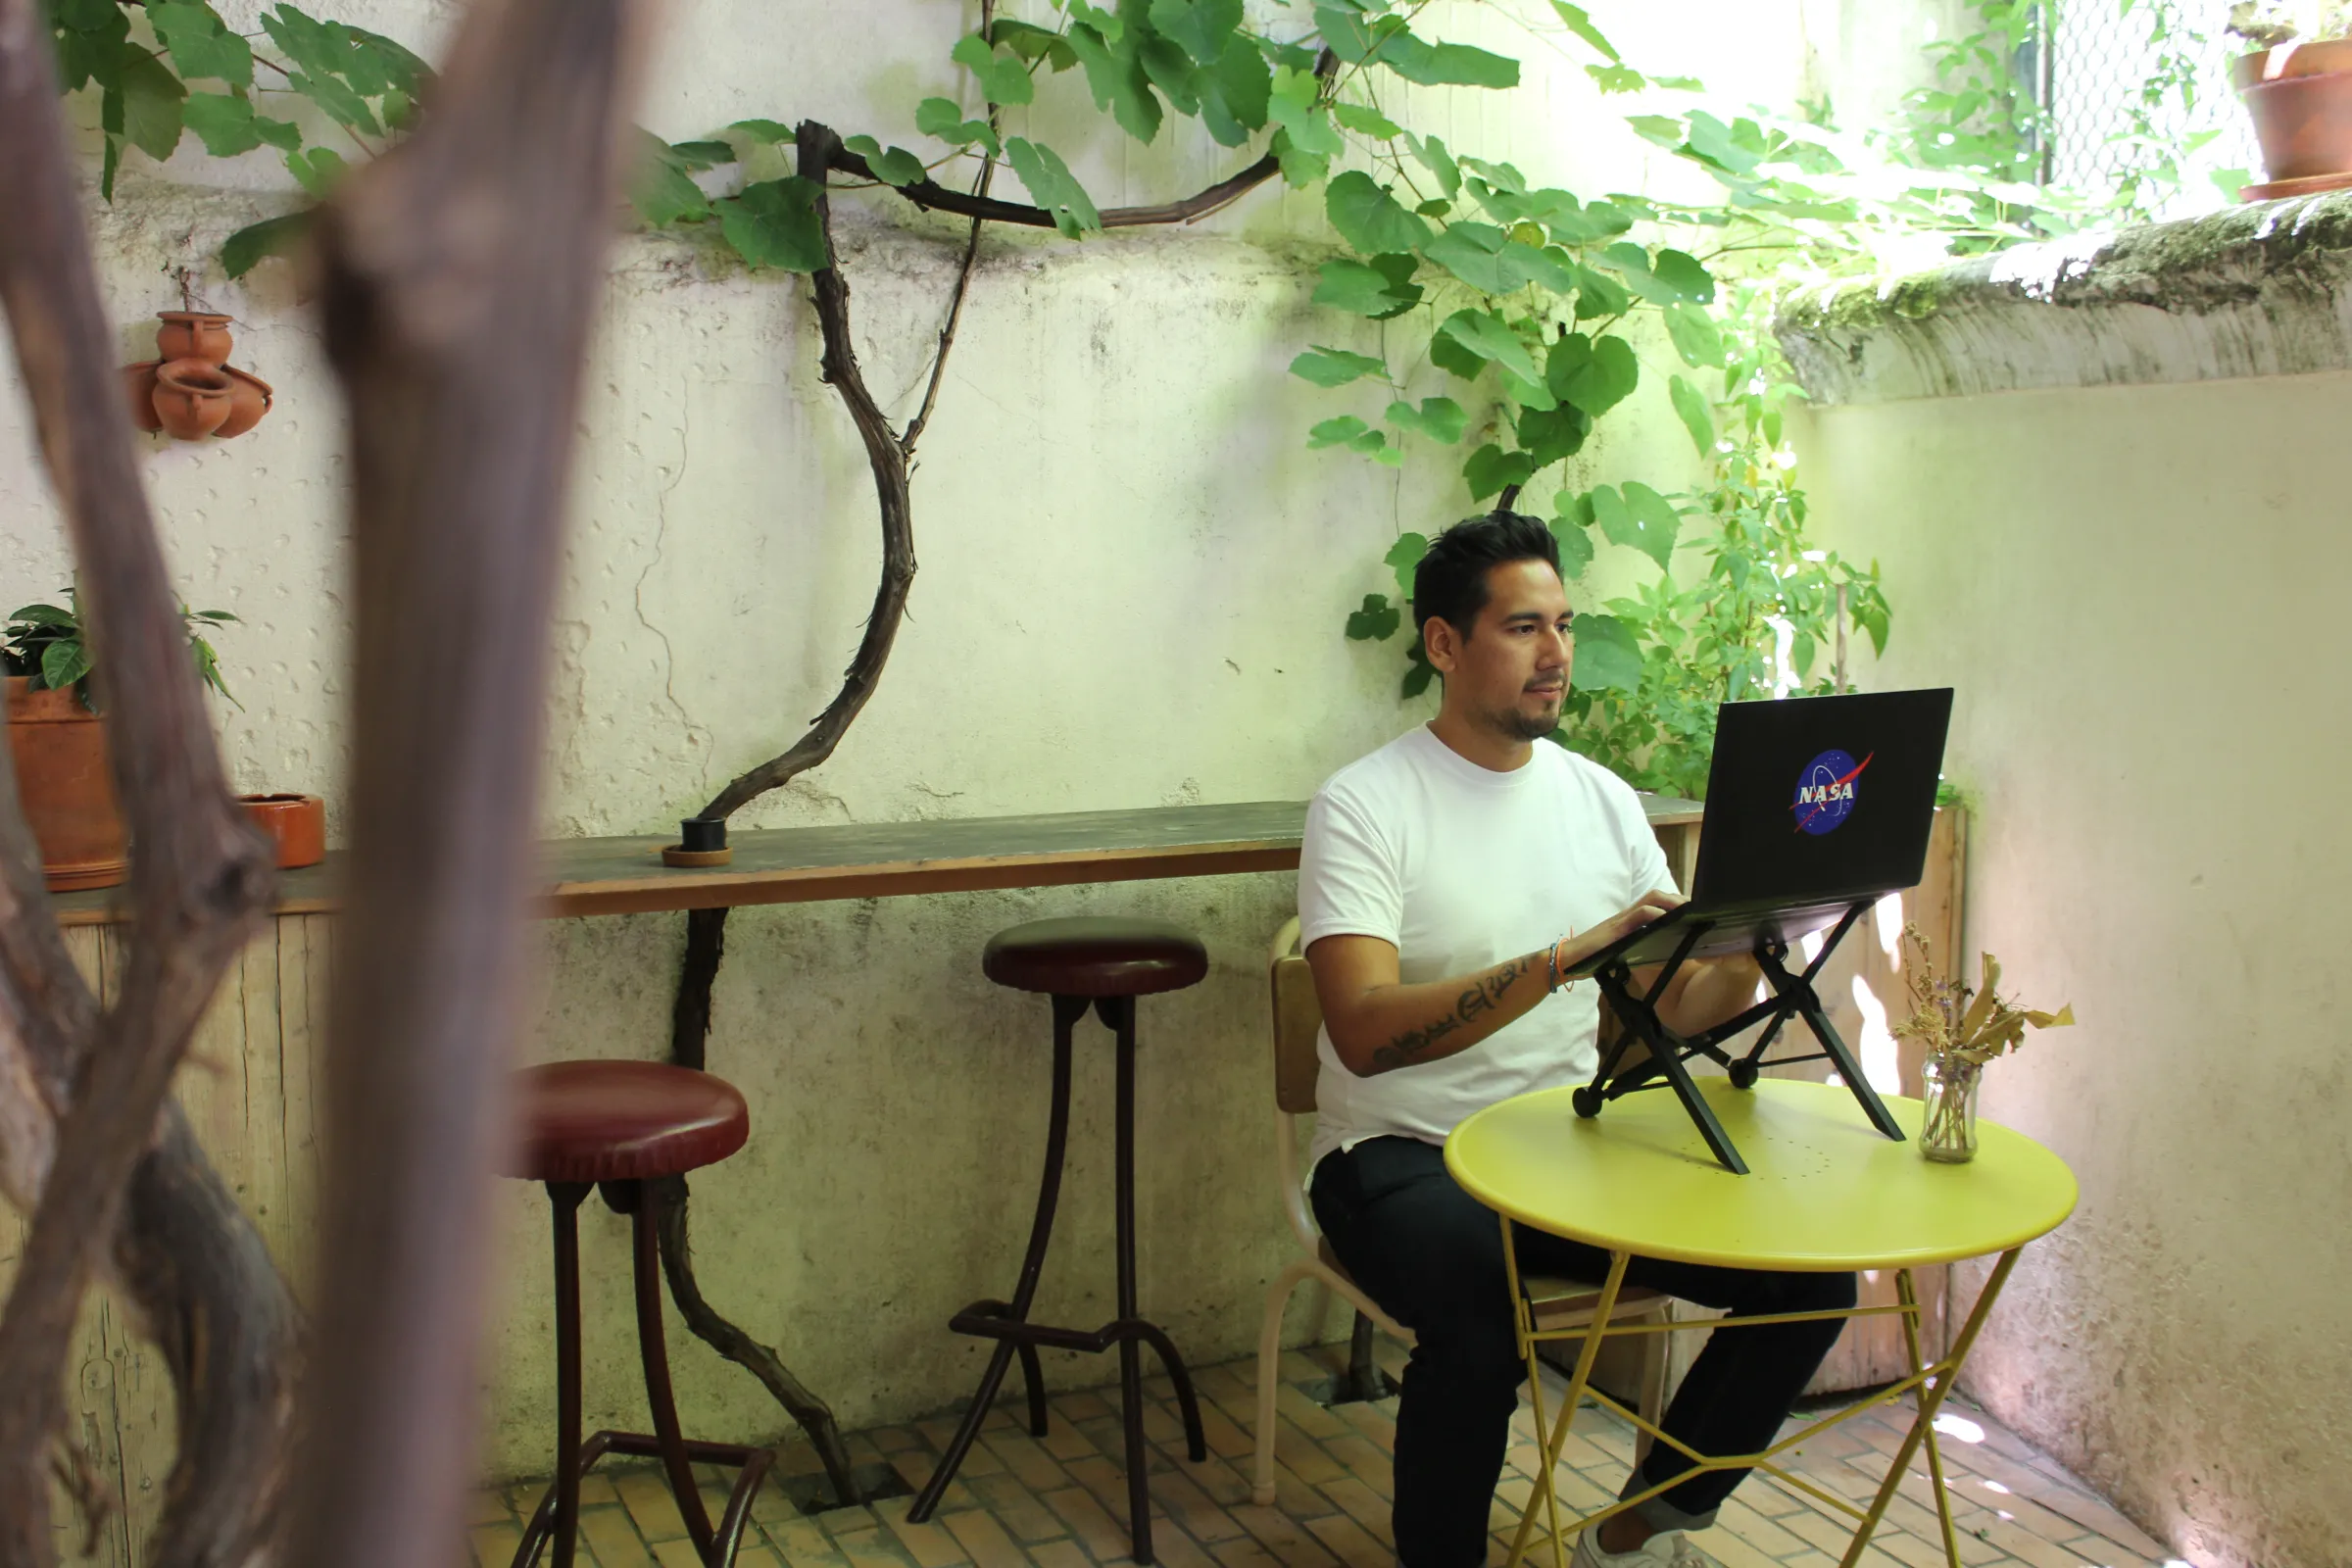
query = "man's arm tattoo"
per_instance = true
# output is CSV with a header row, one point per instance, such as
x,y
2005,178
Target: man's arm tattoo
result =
x,y
1410,1046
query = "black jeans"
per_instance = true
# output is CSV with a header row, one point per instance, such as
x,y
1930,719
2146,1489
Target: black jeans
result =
x,y
1432,1256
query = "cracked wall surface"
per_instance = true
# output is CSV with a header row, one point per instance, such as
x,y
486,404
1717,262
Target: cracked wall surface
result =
x,y
1133,581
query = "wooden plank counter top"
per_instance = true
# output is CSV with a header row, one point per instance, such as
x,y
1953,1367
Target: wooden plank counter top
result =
x,y
860,861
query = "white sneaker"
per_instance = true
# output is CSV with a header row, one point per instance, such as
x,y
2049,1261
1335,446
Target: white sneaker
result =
x,y
1668,1549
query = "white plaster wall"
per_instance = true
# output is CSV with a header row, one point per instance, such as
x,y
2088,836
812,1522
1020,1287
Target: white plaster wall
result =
x,y
1133,581
2139,594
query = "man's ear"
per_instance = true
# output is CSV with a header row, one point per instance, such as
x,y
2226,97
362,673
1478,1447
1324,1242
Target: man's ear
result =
x,y
1441,643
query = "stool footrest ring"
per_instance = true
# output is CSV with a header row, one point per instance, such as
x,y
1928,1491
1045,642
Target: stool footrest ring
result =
x,y
751,1463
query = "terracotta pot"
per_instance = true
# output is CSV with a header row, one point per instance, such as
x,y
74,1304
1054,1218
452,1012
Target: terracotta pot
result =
x,y
2304,125
295,823
139,380
59,750
192,335
2320,59
192,398
248,401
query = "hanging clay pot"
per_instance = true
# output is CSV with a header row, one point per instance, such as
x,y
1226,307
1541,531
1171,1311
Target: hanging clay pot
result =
x,y
192,398
192,335
248,400
295,823
66,787
138,381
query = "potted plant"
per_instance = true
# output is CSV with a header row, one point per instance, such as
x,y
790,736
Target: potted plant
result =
x,y
2296,81
1962,1029
58,744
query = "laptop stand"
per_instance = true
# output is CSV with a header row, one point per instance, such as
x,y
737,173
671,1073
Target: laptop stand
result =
x,y
1793,996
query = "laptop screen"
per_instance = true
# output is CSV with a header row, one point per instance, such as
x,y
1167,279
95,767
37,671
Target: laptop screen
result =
x,y
1820,796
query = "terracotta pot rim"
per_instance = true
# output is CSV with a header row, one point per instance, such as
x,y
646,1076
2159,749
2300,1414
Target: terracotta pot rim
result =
x,y
279,798
222,317
247,375
2322,57
195,375
47,706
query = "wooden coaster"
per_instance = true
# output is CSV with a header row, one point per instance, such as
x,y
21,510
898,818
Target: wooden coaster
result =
x,y
2280,189
673,854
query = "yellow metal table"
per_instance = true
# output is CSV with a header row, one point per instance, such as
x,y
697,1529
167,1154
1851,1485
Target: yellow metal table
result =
x,y
1825,1192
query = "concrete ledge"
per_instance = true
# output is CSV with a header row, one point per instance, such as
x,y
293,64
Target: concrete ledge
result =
x,y
2263,289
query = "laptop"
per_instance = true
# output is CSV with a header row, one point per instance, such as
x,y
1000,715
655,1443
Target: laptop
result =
x,y
1814,803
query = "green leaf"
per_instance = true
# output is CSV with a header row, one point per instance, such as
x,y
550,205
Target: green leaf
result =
x,y
1698,419
90,46
1489,469
1327,367
151,104
109,121
1404,557
662,192
1582,26
63,663
1001,78
1607,656
897,166
1335,432
1738,147
1457,65
1576,547
1694,334
1448,354
1202,28
701,155
1033,43
1640,518
1116,79
1172,72
1596,296
1492,262
1594,376
317,170
1380,290
224,124
774,223
1617,79
1366,122
1235,93
246,249
1683,273
45,616
201,44
1550,434
943,119
1369,219
773,131
1376,622
1484,334
1418,674
1434,156
1054,187
1300,168
1309,129
1440,420
1573,225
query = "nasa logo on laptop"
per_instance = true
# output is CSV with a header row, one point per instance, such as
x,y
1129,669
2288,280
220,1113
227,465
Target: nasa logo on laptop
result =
x,y
1825,791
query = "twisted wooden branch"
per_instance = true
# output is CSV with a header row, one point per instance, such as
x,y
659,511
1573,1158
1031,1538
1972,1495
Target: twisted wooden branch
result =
x,y
459,274
201,875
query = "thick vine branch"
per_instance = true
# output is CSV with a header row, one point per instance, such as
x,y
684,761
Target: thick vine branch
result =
x,y
819,150
935,197
457,278
201,875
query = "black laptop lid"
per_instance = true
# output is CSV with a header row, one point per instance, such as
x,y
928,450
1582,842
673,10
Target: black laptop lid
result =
x,y
1820,796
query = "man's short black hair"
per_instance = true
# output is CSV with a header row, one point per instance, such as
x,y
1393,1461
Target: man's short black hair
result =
x,y
1451,580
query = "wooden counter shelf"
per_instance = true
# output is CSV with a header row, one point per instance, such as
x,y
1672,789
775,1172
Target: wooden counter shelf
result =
x,y
857,861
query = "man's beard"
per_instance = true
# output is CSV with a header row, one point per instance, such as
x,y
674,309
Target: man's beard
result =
x,y
1515,723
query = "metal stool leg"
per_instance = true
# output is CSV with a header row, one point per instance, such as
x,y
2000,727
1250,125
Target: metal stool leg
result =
x,y
1119,1013
563,1527
654,1354
1067,1010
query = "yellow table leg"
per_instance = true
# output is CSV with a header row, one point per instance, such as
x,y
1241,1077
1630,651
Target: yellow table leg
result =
x,y
1931,1395
1906,1290
1551,1443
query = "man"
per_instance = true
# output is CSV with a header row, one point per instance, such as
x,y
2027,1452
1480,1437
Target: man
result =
x,y
1448,881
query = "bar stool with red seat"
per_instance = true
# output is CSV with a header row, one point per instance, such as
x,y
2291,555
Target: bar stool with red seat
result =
x,y
622,1126
1104,964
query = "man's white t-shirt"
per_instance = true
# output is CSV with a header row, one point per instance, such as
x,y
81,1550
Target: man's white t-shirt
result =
x,y
1461,867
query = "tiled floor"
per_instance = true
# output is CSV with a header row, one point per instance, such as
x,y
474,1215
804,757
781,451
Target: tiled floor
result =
x,y
1060,1502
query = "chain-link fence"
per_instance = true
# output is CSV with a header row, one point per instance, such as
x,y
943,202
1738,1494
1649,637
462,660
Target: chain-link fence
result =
x,y
2098,61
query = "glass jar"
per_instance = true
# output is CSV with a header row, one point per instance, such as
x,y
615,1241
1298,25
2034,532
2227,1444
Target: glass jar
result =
x,y
1947,1128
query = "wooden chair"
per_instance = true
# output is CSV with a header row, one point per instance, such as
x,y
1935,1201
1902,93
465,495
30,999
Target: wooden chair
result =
x,y
1557,1303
